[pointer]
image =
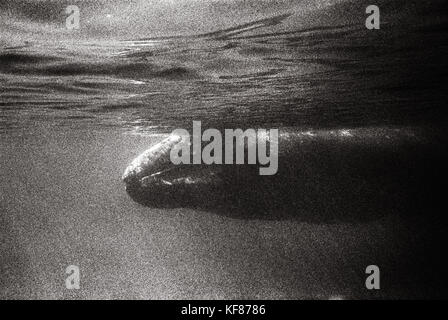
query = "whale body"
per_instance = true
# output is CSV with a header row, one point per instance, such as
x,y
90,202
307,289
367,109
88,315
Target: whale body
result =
x,y
356,172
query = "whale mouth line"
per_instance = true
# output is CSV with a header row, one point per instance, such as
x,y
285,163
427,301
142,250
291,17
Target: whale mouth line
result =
x,y
162,172
159,177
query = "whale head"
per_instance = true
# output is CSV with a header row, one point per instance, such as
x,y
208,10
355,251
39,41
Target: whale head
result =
x,y
153,180
150,164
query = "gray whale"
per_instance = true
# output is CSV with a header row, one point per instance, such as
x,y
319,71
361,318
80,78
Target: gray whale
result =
x,y
352,174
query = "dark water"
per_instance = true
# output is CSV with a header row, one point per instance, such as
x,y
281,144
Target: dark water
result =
x,y
303,68
363,149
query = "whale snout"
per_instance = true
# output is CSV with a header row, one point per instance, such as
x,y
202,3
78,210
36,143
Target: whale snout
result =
x,y
151,162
